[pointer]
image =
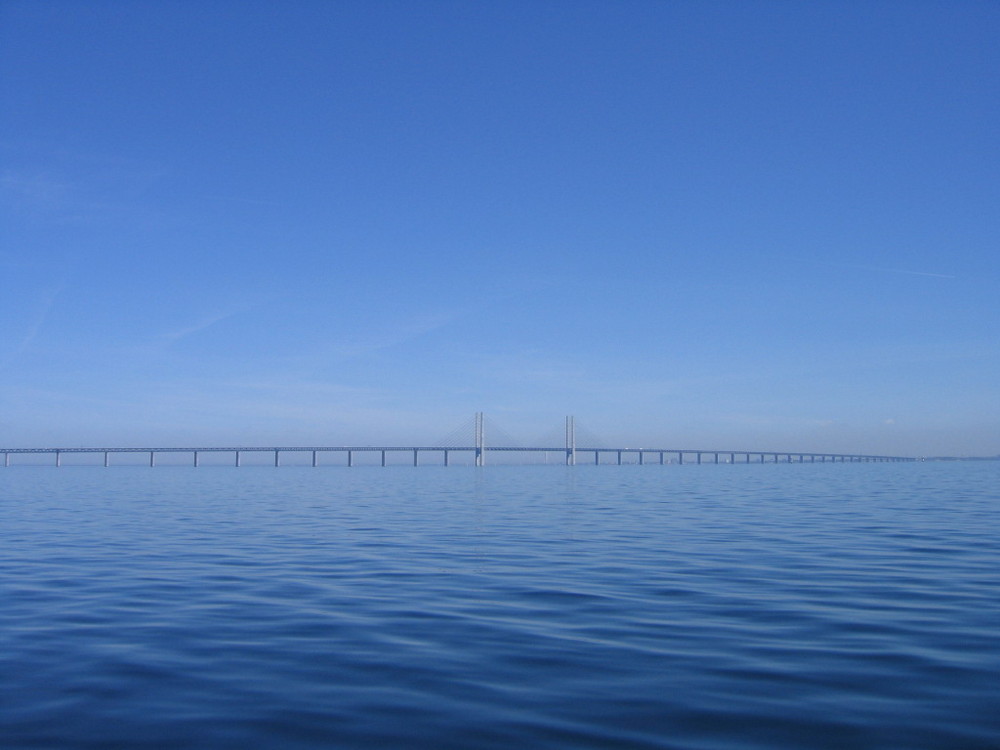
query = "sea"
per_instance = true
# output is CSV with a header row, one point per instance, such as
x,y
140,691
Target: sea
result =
x,y
722,607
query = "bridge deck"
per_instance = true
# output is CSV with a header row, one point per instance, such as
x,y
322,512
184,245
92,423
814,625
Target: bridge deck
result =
x,y
728,456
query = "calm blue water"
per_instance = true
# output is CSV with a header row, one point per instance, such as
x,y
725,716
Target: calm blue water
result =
x,y
775,606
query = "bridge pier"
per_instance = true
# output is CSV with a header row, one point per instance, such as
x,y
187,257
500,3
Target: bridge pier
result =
x,y
414,456
152,459
640,458
350,458
597,458
196,459
105,459
383,458
237,458
699,457
661,458
314,459
445,456
58,459
680,457
276,460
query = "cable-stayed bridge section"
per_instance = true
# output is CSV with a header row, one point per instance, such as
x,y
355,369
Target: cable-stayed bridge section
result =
x,y
578,445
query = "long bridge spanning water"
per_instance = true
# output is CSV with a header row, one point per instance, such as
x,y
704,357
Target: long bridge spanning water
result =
x,y
478,451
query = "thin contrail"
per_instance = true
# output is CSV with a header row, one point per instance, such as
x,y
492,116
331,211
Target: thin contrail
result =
x,y
887,270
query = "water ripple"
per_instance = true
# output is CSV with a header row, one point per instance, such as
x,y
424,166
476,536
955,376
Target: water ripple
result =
x,y
687,607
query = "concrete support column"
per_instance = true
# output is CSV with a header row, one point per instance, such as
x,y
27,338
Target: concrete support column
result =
x,y
152,458
383,458
619,458
196,458
276,460
350,458
414,456
445,456
105,459
58,459
680,457
314,459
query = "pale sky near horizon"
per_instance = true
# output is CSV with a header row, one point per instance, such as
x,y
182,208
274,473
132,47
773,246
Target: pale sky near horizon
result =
x,y
734,225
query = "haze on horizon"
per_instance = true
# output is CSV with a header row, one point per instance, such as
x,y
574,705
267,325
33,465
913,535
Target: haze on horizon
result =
x,y
743,225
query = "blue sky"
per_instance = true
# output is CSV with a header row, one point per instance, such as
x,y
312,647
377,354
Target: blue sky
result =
x,y
747,225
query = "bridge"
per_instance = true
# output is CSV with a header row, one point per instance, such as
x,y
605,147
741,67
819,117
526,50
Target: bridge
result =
x,y
478,449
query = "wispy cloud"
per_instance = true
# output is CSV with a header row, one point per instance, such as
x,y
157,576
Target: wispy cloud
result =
x,y
36,189
67,187
882,269
45,304
240,199
396,335
207,322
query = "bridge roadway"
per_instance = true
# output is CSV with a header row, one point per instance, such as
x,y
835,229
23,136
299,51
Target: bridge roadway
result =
x,y
661,455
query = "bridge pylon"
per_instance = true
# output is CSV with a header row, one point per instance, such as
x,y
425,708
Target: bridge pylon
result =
x,y
480,439
570,441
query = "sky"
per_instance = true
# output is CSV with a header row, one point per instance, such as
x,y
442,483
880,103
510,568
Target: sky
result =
x,y
721,225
